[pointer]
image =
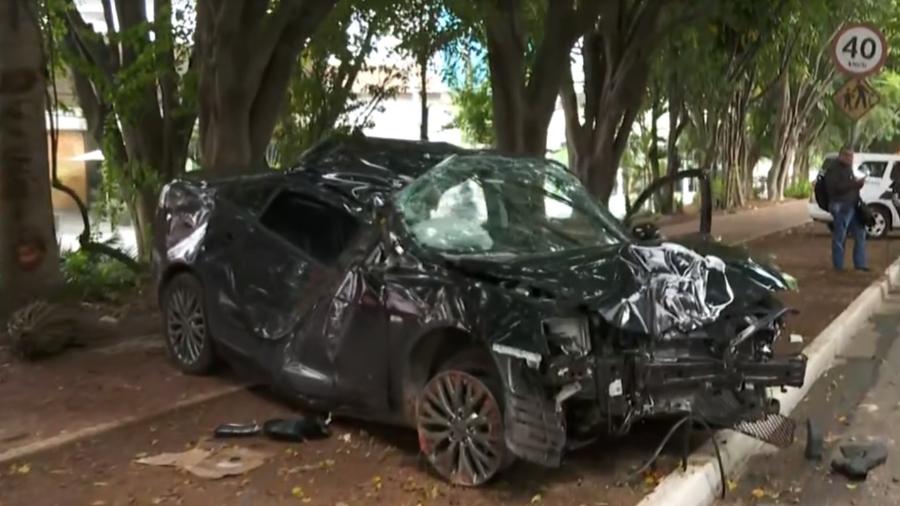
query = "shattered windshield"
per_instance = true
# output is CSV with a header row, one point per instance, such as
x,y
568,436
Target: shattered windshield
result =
x,y
478,204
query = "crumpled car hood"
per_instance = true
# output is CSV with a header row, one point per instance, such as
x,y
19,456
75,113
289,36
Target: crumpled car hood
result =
x,y
652,289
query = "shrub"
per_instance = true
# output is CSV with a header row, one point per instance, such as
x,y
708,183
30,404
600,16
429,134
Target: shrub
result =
x,y
96,277
799,190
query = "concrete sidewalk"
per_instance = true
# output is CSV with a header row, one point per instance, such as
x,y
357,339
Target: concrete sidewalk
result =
x,y
748,225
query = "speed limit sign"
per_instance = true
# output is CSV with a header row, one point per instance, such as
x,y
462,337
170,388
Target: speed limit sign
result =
x,y
859,49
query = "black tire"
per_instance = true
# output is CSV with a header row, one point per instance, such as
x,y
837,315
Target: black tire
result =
x,y
882,223
459,419
187,333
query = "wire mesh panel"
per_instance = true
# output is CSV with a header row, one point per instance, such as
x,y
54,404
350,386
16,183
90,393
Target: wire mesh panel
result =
x,y
775,429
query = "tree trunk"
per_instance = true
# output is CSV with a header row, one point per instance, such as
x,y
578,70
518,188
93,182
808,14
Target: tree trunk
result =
x,y
616,57
29,255
246,56
423,99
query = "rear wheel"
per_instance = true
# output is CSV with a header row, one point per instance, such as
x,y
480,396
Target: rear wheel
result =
x,y
460,421
881,224
187,334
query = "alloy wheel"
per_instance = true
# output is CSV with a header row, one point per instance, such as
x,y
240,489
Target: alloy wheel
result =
x,y
460,427
186,325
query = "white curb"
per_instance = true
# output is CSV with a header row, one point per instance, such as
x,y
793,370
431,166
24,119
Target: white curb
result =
x,y
700,484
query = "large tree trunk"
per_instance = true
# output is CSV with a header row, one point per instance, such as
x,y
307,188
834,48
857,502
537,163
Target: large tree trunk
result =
x,y
523,101
616,57
29,256
246,55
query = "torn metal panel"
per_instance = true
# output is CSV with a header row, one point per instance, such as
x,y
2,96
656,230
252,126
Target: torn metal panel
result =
x,y
375,266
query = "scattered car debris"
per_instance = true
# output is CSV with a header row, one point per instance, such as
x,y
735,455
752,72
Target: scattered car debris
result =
x,y
227,430
348,279
815,443
857,459
297,429
210,463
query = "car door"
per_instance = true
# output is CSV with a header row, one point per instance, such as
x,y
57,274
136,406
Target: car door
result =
x,y
308,302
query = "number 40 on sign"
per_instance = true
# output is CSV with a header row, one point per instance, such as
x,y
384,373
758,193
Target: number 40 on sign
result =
x,y
859,49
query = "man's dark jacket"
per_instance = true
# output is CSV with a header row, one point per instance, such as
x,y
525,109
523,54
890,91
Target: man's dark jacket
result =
x,y
839,182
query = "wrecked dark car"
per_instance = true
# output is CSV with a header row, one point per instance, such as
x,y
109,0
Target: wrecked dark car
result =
x,y
487,301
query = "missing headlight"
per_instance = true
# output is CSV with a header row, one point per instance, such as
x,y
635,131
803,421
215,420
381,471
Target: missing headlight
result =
x,y
571,334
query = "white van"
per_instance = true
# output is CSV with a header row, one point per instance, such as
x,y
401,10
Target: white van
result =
x,y
880,171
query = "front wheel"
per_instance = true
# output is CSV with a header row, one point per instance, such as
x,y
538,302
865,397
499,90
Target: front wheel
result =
x,y
187,334
460,425
880,227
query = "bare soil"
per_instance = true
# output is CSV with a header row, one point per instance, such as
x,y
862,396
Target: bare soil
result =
x,y
361,463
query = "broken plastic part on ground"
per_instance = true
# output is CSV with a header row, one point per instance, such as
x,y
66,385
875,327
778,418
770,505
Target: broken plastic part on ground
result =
x,y
352,280
855,460
301,428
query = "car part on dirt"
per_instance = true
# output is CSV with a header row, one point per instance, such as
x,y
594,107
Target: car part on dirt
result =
x,y
304,428
345,282
228,430
187,334
815,442
42,329
857,459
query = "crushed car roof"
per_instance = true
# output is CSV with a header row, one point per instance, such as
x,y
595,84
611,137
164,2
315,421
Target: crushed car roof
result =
x,y
364,169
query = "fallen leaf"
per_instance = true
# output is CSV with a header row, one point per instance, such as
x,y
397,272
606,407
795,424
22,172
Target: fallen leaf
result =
x,y
758,493
297,492
731,485
22,469
536,499
852,486
100,484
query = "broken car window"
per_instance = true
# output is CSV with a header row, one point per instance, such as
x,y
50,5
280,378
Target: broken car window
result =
x,y
322,230
500,205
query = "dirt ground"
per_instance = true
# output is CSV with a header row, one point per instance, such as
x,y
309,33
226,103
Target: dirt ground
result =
x,y
360,464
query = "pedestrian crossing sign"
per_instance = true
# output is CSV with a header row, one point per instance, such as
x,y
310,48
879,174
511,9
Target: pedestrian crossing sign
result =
x,y
856,98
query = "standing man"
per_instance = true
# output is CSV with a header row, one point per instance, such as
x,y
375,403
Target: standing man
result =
x,y
843,195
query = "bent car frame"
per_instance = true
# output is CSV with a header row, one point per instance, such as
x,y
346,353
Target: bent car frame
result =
x,y
486,301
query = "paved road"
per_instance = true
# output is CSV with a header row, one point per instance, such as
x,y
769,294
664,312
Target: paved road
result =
x,y
748,225
858,400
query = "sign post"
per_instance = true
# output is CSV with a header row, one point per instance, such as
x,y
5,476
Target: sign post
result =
x,y
858,50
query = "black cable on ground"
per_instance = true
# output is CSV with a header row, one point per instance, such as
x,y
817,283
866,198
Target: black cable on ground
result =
x,y
658,450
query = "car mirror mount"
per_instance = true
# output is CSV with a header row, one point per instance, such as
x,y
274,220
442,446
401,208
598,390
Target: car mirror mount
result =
x,y
646,231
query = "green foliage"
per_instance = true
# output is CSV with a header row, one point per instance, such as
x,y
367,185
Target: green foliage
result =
x,y
323,96
467,75
95,277
473,115
798,190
